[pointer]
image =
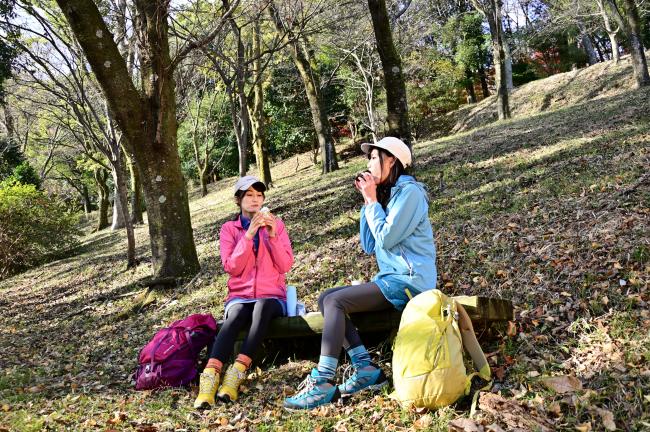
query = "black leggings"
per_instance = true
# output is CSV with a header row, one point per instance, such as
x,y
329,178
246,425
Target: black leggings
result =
x,y
335,303
256,315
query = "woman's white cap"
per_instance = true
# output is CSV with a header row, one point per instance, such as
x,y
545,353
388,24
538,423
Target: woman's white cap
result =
x,y
247,181
394,146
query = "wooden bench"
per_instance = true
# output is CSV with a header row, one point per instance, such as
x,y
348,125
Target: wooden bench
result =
x,y
483,311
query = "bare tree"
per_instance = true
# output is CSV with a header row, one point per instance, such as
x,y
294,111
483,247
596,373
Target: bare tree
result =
x,y
305,64
146,115
491,9
258,119
632,27
396,100
602,8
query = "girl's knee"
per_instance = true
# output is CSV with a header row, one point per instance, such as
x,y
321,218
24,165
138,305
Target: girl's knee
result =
x,y
321,300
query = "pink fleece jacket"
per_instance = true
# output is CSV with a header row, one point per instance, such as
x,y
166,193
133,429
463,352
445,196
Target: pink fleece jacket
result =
x,y
251,276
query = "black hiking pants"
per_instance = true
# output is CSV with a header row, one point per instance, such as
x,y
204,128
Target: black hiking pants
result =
x,y
257,316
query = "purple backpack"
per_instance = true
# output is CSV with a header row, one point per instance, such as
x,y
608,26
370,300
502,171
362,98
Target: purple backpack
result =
x,y
169,359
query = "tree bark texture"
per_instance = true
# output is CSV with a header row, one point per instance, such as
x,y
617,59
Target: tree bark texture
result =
x,y
148,121
396,100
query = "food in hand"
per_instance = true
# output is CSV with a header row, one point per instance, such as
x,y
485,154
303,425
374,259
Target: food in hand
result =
x,y
360,174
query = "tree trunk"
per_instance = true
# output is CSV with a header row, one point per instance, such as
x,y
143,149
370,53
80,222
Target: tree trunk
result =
x,y
637,49
86,199
121,205
616,56
203,178
148,121
493,15
102,197
118,214
240,87
585,41
633,28
258,119
596,42
396,99
136,192
469,87
310,80
483,78
508,64
610,31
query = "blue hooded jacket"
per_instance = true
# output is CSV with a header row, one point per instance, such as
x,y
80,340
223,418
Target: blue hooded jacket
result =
x,y
401,238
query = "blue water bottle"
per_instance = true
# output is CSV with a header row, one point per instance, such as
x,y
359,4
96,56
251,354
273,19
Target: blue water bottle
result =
x,y
292,299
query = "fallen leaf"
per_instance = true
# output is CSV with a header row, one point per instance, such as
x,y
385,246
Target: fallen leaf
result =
x,y
423,422
584,427
464,425
563,384
607,417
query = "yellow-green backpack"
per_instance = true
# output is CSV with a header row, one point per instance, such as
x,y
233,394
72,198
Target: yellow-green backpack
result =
x,y
428,368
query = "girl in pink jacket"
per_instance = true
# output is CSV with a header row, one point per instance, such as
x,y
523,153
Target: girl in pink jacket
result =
x,y
256,253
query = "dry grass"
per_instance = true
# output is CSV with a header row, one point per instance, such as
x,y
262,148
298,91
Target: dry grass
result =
x,y
546,209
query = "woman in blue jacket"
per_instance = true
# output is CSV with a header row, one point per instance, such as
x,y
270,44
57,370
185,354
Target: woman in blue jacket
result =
x,y
395,227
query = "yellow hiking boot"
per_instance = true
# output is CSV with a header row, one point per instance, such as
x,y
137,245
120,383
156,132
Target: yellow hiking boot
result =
x,y
231,380
208,385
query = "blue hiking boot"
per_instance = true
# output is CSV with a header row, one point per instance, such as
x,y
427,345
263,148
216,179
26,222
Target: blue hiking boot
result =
x,y
313,392
369,377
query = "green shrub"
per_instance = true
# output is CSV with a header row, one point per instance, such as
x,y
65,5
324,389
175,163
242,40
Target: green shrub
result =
x,y
33,227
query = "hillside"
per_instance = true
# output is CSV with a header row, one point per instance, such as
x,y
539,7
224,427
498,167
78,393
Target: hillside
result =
x,y
600,81
550,209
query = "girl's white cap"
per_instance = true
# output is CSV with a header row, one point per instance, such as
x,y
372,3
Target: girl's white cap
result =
x,y
394,146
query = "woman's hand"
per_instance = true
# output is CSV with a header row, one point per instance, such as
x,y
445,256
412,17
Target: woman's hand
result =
x,y
271,225
258,221
367,185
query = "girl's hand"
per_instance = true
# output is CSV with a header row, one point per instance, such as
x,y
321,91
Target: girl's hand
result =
x,y
271,225
257,222
367,185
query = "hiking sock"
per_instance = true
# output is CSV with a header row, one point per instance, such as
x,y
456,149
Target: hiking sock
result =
x,y
214,364
359,356
327,366
244,360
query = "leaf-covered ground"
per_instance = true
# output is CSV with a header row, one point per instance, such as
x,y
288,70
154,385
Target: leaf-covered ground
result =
x,y
550,209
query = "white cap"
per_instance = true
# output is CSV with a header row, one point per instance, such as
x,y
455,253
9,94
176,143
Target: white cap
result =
x,y
246,182
392,145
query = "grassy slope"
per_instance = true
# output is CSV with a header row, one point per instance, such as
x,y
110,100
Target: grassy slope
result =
x,y
545,209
